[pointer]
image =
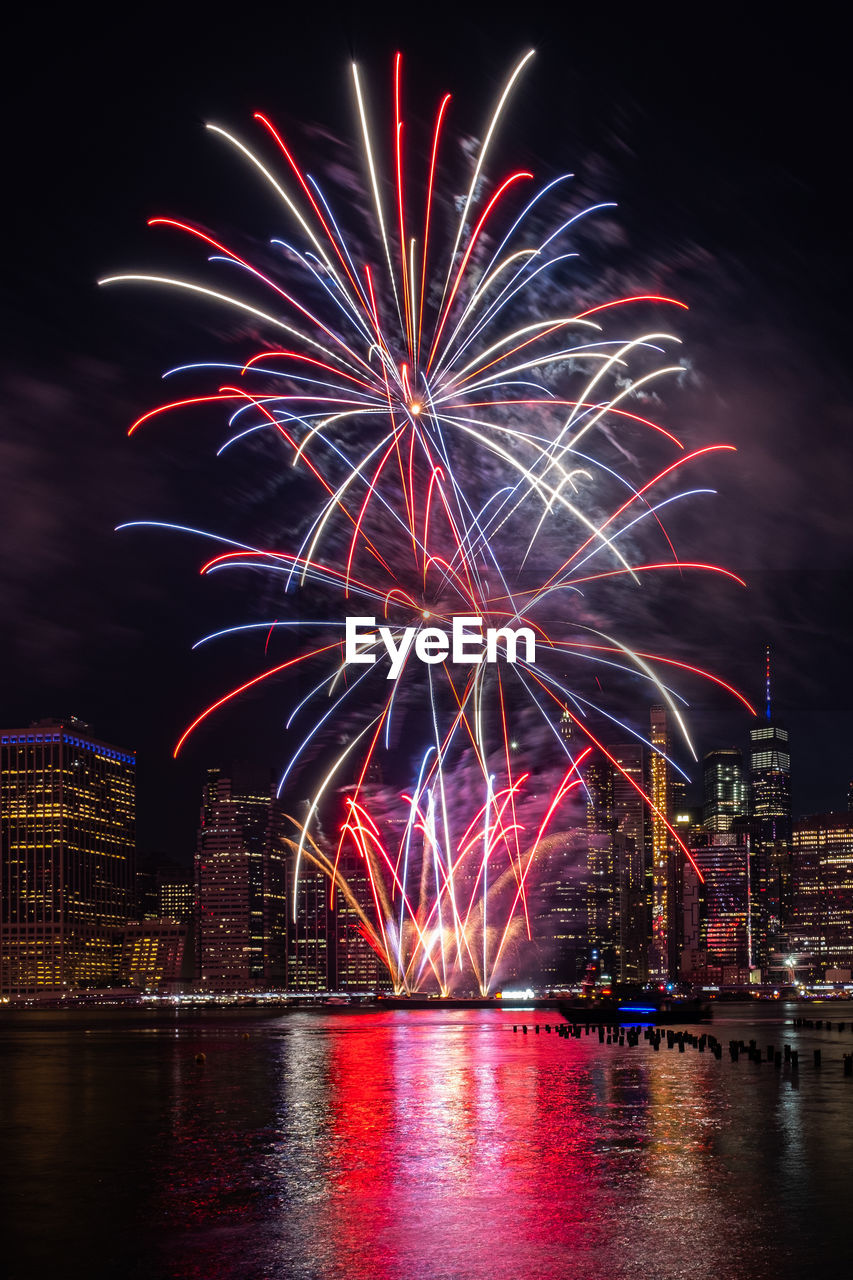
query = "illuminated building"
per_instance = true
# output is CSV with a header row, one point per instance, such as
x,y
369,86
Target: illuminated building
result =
x,y
724,787
144,903
720,916
240,884
724,862
770,773
770,781
357,966
559,923
175,895
616,871
687,821
153,953
602,879
663,888
821,919
309,957
67,834
678,802
629,820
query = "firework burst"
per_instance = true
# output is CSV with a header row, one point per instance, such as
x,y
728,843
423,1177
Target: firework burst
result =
x,y
447,432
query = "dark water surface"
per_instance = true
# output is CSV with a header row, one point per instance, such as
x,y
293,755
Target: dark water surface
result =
x,y
416,1146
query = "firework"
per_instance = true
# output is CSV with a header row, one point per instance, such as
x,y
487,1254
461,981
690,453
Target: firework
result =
x,y
445,424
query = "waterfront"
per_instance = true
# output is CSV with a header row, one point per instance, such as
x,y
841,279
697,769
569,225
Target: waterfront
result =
x,y
430,1145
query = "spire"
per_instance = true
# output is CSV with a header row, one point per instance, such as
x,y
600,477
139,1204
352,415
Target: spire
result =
x,y
767,678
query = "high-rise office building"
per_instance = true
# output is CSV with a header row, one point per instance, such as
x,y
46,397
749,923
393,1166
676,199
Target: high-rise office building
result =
x,y
662,863
175,895
821,916
601,878
724,789
616,881
357,966
153,953
722,915
240,884
629,822
67,839
311,951
558,900
727,926
770,772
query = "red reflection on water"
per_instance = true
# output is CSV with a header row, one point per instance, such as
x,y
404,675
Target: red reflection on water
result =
x,y
453,1147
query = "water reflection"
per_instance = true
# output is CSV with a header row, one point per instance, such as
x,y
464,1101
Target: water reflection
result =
x,y
417,1145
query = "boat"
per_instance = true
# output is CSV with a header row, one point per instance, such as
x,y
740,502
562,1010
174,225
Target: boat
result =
x,y
630,1010
603,1002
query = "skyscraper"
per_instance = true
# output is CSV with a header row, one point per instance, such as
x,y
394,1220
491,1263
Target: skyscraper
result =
x,y
724,789
175,894
821,920
629,823
357,966
770,772
559,902
67,839
240,884
661,860
153,953
727,927
602,881
311,953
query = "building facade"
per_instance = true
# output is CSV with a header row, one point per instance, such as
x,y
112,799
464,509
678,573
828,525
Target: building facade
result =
x,y
821,916
661,853
725,793
722,913
616,881
153,953
67,840
357,966
240,884
311,949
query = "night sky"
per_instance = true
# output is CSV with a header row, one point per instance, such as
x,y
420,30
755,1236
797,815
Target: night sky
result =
x,y
726,145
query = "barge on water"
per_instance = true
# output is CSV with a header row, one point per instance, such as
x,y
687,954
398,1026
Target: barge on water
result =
x,y
648,1008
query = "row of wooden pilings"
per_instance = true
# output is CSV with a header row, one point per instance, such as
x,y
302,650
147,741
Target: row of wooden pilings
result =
x,y
820,1024
630,1036
618,1033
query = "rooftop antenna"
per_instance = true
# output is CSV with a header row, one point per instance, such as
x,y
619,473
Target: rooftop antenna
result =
x,y
767,678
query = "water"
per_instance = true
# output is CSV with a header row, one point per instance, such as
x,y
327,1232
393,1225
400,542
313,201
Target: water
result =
x,y
428,1145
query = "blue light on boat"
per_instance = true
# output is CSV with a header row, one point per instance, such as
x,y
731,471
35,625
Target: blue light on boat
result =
x,y
633,1008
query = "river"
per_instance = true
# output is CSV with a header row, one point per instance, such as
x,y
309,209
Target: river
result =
x,y
431,1145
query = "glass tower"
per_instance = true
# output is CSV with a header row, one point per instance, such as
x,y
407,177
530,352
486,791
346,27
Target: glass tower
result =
x,y
725,790
662,887
240,884
770,781
770,773
67,839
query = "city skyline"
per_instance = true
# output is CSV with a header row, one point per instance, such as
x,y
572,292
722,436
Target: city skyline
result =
x,y
744,896
830,798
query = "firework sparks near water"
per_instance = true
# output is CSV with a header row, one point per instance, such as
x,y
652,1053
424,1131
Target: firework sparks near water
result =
x,y
449,435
